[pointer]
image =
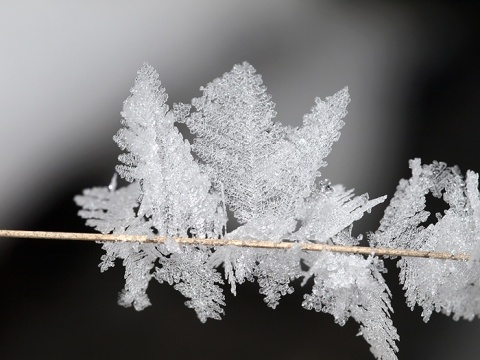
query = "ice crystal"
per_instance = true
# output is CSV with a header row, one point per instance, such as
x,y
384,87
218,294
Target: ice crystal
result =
x,y
450,287
238,264
267,173
327,213
168,196
265,168
350,286
195,279
175,195
108,209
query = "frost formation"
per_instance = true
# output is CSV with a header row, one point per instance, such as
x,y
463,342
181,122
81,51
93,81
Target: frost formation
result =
x,y
269,175
168,196
450,287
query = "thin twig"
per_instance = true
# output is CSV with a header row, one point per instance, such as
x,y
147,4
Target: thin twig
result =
x,y
240,243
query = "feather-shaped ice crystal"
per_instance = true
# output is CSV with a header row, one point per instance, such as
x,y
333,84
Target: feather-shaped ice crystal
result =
x,y
266,172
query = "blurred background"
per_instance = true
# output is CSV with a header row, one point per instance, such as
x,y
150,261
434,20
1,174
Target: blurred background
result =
x,y
65,69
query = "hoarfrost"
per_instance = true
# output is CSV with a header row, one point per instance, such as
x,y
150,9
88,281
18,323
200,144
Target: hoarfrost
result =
x,y
266,169
195,280
169,196
350,286
447,286
267,173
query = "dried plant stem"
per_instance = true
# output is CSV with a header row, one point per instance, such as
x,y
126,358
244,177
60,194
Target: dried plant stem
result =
x,y
240,243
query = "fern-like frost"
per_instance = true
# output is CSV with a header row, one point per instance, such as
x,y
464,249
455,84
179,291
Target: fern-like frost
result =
x,y
191,274
267,173
168,196
265,168
450,287
350,286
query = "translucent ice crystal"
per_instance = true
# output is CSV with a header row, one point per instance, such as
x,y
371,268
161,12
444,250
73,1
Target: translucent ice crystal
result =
x,y
169,196
265,168
174,193
350,286
266,172
447,286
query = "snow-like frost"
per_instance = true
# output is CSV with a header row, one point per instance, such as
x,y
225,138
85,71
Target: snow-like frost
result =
x,y
169,196
174,192
108,209
329,211
350,286
267,173
447,286
265,168
195,279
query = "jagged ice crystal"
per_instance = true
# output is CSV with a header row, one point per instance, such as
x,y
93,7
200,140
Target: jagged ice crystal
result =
x,y
269,175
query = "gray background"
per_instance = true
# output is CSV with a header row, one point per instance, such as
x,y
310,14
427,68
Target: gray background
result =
x,y
65,69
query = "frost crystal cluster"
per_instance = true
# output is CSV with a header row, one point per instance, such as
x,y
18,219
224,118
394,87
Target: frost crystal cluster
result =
x,y
269,176
450,287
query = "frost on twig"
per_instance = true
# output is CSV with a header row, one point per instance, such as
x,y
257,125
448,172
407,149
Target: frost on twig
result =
x,y
267,173
351,286
173,198
450,287
266,169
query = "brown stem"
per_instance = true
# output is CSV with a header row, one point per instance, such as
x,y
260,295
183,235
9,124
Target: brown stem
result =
x,y
240,243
